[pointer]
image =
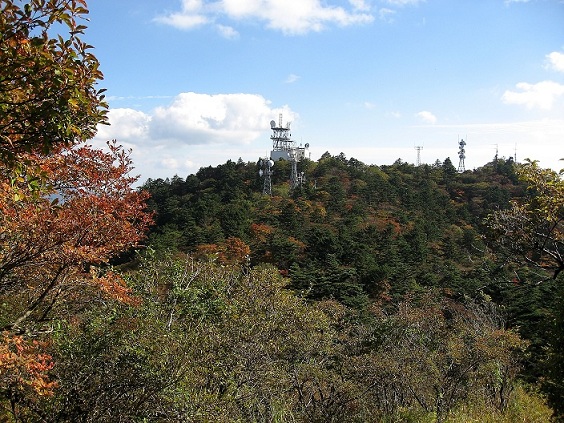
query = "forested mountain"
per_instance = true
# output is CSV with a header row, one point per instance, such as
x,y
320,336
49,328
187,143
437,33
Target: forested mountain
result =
x,y
368,294
353,232
364,235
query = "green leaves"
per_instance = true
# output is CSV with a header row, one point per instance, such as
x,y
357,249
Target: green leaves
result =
x,y
47,82
531,231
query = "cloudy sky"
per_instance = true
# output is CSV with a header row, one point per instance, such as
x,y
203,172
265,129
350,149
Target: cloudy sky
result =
x,y
194,83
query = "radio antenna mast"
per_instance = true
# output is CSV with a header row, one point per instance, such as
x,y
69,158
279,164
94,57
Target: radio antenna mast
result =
x,y
461,156
266,171
418,148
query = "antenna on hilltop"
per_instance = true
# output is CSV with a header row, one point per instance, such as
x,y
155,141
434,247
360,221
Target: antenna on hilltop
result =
x,y
418,148
461,155
284,148
266,171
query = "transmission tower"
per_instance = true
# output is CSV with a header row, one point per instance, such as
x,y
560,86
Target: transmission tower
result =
x,y
461,156
418,148
266,171
283,147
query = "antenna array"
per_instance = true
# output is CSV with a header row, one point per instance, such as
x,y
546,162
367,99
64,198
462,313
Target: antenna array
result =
x,y
461,156
283,147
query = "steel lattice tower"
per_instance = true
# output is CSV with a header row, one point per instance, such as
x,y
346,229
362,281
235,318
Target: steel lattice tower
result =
x,y
266,171
461,156
418,148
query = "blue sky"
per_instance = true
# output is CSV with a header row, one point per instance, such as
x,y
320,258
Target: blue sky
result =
x,y
195,83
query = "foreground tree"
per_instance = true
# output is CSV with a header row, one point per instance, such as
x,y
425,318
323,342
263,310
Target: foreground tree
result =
x,y
48,93
55,243
531,233
87,214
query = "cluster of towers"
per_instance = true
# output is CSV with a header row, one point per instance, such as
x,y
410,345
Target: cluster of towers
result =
x,y
283,148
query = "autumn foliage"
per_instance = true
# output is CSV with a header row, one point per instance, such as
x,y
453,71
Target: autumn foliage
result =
x,y
59,227
53,240
48,93
24,367
232,251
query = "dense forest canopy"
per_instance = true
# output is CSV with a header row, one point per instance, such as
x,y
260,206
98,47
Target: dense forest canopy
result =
x,y
364,234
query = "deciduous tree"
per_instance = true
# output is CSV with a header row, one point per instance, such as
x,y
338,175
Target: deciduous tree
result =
x,y
48,93
54,243
532,231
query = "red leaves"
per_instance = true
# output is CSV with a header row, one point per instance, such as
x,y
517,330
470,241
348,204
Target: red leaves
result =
x,y
24,367
46,243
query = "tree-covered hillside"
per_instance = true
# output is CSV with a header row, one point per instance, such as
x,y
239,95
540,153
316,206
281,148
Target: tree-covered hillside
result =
x,y
369,294
353,232
363,235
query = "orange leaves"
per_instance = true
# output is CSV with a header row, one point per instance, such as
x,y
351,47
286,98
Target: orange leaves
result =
x,y
23,366
232,251
114,285
84,213
261,231
236,250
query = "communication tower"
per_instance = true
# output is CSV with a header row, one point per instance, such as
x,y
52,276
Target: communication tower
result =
x,y
461,156
418,148
282,144
266,171
283,147
296,179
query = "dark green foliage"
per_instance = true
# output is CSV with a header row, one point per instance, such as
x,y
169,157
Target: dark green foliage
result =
x,y
361,234
397,227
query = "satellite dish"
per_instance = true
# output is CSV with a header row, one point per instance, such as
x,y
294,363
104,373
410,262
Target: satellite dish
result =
x,y
307,145
260,172
272,124
270,163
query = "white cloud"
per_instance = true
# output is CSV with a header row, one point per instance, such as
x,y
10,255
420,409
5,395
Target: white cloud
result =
x,y
194,130
427,117
189,17
360,5
202,118
541,95
386,15
290,79
227,32
296,17
125,124
556,61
